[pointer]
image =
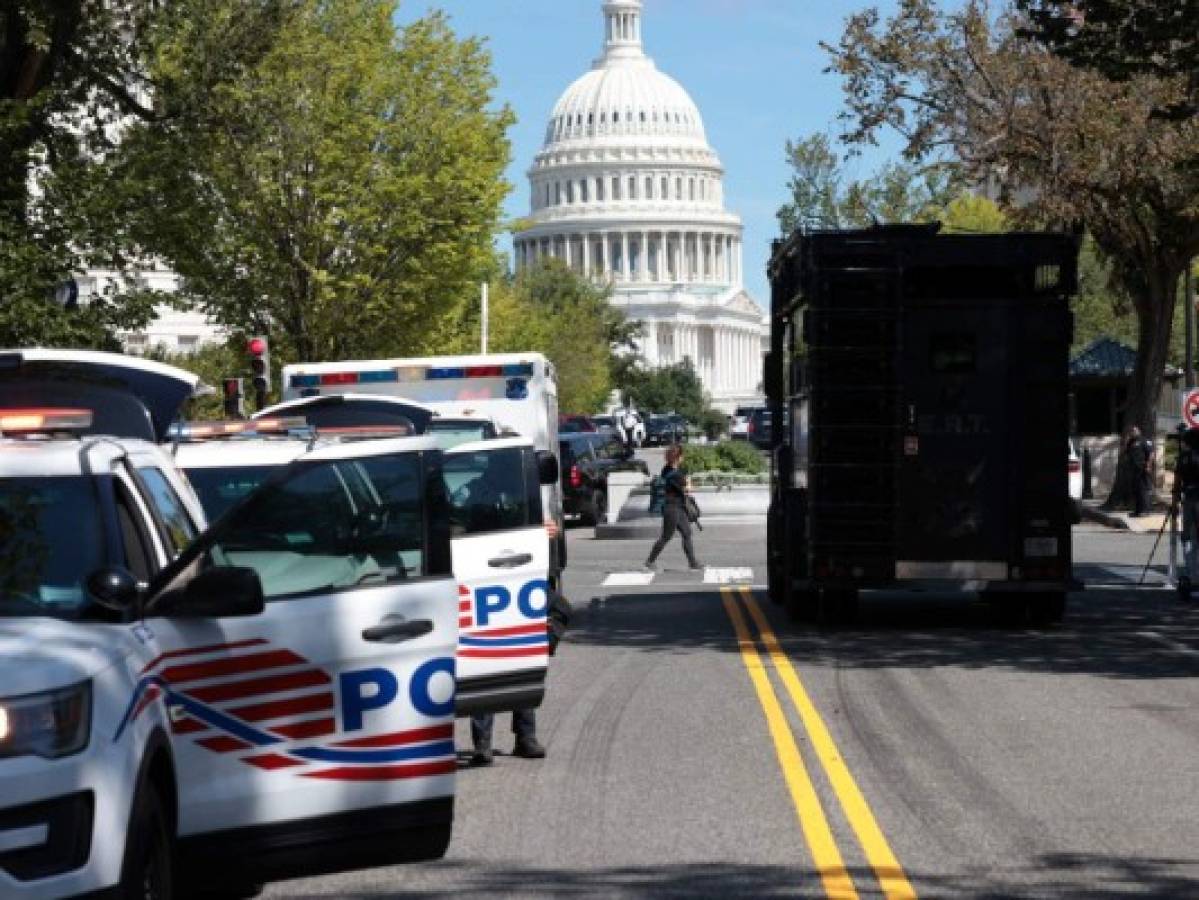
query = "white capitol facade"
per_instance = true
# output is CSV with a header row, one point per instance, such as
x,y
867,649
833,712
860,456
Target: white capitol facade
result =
x,y
627,190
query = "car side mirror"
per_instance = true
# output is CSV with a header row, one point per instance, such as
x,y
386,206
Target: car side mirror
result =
x,y
114,588
224,592
547,467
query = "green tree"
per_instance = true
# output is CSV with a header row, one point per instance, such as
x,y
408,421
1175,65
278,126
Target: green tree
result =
x,y
347,185
822,195
676,388
1064,145
1125,38
73,74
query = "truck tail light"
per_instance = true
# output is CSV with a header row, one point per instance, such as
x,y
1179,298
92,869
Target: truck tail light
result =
x,y
1075,467
576,477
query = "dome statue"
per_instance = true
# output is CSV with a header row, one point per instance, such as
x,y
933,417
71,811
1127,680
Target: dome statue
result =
x,y
627,190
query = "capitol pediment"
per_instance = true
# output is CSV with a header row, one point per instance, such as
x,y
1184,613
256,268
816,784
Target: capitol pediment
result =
x,y
742,303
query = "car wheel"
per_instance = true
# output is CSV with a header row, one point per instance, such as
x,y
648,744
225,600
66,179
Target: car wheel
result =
x,y
148,870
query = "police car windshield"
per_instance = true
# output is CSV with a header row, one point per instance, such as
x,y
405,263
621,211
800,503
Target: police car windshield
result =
x,y
219,489
50,541
449,433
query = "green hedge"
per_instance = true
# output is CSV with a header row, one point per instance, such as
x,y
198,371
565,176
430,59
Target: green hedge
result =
x,y
729,456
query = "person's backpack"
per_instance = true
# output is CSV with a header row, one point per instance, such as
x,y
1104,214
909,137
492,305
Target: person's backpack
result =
x,y
657,494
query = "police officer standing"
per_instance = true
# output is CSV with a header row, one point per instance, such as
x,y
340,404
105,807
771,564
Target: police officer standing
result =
x,y
1139,452
1186,495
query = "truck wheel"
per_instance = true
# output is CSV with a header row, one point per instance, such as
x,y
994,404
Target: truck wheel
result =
x,y
802,605
837,606
148,871
1045,609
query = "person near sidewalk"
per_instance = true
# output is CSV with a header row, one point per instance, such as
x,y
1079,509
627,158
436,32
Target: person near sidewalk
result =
x,y
1186,496
524,721
673,486
1140,462
629,421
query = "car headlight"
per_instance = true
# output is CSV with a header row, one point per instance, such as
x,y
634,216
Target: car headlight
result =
x,y
51,725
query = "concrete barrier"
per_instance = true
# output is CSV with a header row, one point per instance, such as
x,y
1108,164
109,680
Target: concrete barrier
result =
x,y
621,486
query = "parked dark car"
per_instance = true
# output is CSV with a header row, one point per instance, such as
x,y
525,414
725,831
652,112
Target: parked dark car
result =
x,y
666,429
571,424
759,428
587,460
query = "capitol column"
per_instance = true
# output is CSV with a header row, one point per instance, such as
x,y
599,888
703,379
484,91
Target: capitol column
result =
x,y
625,269
644,266
586,254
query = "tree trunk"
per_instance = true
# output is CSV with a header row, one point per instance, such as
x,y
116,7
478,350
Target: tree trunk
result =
x,y
1155,320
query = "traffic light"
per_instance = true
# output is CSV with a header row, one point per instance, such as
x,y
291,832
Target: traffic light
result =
x,y
235,404
260,368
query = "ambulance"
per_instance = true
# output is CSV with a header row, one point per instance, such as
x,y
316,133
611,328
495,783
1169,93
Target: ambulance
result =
x,y
500,554
192,709
517,391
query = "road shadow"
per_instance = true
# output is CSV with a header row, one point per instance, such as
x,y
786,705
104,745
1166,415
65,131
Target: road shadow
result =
x,y
1113,633
1055,876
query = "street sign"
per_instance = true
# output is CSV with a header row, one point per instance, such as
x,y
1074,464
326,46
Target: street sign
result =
x,y
1190,409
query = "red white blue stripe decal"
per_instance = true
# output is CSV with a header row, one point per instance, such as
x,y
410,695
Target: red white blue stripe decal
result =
x,y
274,710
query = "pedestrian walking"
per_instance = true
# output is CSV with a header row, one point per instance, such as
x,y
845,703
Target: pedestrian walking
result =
x,y
1186,497
1139,452
670,494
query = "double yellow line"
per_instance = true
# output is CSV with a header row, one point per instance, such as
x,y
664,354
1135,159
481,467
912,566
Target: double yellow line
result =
x,y
812,819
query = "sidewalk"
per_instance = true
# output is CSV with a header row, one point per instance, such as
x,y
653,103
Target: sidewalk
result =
x,y
1121,519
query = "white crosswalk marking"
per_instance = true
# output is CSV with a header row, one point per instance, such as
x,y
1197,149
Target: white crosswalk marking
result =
x,y
744,575
629,579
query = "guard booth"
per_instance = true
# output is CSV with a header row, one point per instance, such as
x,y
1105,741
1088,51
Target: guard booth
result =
x,y
921,380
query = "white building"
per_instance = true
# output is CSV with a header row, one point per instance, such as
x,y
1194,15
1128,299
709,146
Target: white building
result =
x,y
626,189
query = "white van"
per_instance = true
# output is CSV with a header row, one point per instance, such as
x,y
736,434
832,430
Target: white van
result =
x,y
516,391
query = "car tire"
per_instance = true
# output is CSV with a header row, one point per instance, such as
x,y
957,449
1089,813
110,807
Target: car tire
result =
x,y
1045,609
148,871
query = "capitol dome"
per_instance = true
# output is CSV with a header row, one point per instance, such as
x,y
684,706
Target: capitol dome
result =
x,y
627,190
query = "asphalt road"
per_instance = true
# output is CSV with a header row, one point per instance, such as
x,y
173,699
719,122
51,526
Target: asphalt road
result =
x,y
928,751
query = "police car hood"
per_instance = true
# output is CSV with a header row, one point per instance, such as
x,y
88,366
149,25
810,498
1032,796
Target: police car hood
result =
x,y
39,654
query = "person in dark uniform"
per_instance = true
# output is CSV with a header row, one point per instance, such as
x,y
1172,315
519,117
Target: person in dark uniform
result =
x,y
674,487
1140,461
1186,496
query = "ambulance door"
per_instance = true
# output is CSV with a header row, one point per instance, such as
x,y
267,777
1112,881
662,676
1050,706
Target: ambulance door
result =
x,y
335,697
501,561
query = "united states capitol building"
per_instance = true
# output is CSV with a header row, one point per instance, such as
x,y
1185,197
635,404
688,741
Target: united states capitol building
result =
x,y
627,190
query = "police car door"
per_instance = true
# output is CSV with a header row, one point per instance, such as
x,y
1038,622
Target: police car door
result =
x,y
501,561
339,697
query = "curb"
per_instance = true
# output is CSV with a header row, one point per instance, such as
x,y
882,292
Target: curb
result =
x,y
648,529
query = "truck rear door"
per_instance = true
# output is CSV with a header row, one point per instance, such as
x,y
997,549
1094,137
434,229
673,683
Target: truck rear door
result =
x,y
953,512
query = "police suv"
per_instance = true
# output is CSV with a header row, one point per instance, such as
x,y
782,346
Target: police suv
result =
x,y
187,710
499,547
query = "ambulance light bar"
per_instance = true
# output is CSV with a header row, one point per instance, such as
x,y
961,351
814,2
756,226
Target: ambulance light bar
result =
x,y
199,431
44,421
411,374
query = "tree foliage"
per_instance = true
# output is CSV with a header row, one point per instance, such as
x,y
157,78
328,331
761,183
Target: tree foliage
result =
x,y
1125,38
1063,145
671,389
822,195
347,184
73,75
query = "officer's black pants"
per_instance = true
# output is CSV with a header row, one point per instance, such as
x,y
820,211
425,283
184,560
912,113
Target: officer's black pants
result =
x,y
674,518
524,726
1143,499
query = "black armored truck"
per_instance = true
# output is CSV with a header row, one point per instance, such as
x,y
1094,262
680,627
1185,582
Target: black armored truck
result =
x,y
918,389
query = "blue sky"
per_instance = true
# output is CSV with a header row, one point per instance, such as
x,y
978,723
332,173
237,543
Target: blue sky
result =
x,y
754,67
